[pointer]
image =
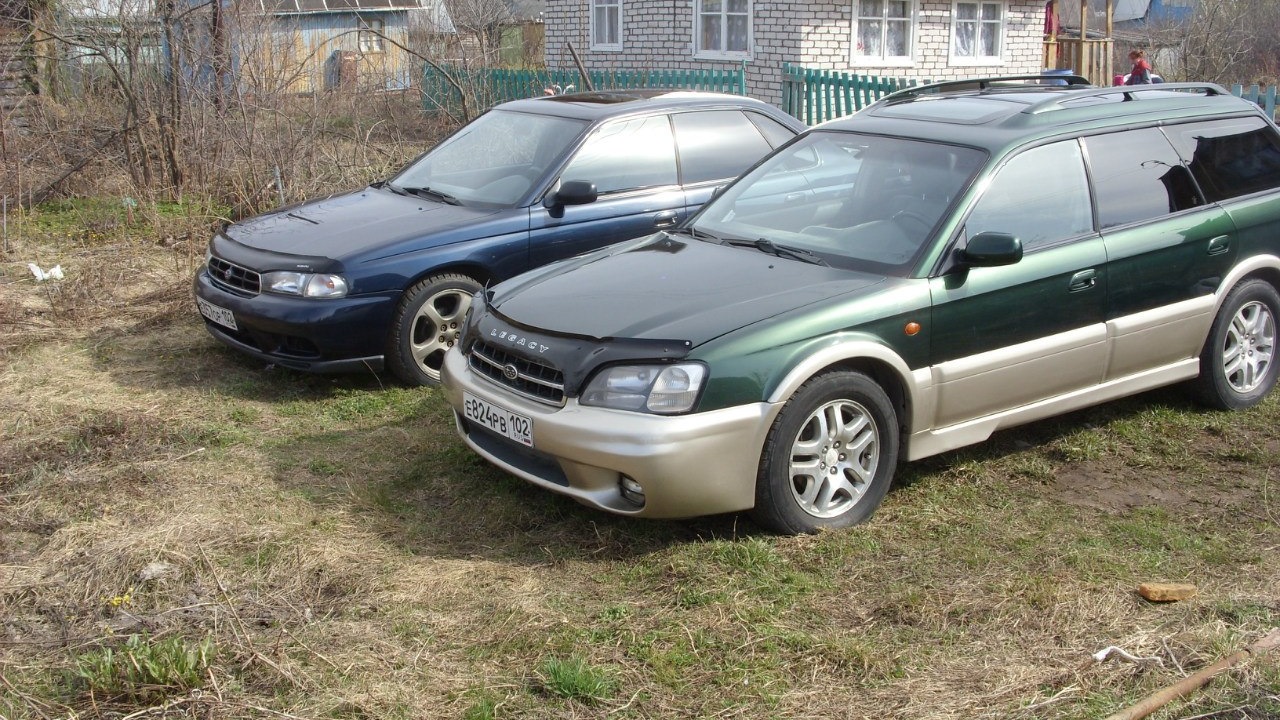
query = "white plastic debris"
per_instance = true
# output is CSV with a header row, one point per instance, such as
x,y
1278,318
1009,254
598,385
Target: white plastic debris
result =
x,y
155,571
53,273
1111,650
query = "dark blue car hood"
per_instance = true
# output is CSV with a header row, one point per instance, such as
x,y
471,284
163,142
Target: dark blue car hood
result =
x,y
667,288
369,222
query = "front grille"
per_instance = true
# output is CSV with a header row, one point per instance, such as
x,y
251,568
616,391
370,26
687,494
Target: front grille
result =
x,y
532,379
234,277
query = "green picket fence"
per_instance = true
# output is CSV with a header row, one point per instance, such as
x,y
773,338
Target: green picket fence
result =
x,y
1265,97
816,96
819,95
490,86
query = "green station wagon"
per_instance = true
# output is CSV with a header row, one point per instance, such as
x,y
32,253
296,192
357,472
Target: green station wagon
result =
x,y
953,260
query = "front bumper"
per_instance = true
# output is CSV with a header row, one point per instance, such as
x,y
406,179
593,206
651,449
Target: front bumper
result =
x,y
323,336
687,465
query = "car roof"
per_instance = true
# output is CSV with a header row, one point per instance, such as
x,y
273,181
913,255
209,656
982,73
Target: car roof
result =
x,y
998,112
599,105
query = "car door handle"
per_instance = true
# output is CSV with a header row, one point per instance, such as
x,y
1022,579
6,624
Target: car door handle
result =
x,y
666,219
1219,245
1083,280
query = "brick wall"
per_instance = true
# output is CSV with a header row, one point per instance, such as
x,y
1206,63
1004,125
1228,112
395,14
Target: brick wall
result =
x,y
658,34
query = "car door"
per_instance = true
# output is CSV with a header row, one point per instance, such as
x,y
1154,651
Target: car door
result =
x,y
1007,336
1168,249
632,162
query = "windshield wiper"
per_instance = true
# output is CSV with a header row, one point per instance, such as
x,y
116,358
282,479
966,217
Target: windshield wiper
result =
x,y
765,245
433,194
695,234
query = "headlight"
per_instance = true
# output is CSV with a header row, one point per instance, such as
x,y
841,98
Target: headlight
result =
x,y
661,389
304,284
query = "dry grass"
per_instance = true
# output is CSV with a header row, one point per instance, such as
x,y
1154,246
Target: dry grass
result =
x,y
348,558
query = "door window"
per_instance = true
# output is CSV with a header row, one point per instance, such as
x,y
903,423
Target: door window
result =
x,y
627,155
1138,176
716,145
1036,206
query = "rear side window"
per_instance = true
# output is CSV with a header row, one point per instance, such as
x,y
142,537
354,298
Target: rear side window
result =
x,y
1138,176
775,132
1037,206
610,159
717,144
1230,158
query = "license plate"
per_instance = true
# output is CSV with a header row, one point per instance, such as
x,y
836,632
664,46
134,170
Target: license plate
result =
x,y
220,315
498,419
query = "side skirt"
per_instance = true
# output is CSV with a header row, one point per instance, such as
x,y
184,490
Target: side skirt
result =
x,y
931,442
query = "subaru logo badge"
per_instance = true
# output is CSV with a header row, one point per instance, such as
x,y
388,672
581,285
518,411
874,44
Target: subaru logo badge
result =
x,y
510,372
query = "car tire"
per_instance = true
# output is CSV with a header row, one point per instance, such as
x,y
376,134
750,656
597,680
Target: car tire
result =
x,y
1237,364
427,323
808,481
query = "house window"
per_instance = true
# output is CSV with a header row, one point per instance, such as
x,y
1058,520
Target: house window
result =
x,y
977,30
722,28
371,31
606,24
882,30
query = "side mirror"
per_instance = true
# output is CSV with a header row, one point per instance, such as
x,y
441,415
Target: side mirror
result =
x,y
571,192
992,249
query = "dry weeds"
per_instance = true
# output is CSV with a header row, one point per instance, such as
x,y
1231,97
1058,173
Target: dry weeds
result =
x,y
350,559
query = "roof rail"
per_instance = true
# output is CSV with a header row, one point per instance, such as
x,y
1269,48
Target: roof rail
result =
x,y
1130,92
985,83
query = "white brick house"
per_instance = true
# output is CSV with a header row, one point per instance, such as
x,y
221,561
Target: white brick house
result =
x,y
923,39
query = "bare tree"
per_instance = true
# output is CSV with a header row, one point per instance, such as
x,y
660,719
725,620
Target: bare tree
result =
x,y
483,20
153,109
1225,41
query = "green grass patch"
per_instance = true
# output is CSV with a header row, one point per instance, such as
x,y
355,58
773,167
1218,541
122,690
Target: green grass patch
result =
x,y
143,667
575,679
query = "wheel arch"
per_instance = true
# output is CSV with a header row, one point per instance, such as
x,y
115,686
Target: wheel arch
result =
x,y
1258,267
865,355
473,270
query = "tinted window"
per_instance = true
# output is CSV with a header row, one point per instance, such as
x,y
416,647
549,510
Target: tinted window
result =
x,y
1039,197
627,155
775,132
1138,176
1230,158
716,144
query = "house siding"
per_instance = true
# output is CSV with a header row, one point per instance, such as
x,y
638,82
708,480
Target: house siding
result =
x,y
658,35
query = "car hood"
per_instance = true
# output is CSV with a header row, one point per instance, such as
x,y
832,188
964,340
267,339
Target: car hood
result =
x,y
352,223
668,288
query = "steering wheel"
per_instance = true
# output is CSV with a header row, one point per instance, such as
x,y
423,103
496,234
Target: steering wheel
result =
x,y
906,218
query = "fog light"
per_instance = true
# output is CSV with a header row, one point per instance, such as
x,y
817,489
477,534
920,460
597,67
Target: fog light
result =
x,y
631,491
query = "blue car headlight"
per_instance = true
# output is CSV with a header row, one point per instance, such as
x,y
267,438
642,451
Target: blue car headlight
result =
x,y
312,285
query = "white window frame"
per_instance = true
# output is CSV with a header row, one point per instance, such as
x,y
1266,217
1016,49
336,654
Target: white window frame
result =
x,y
371,31
720,53
908,60
606,6
996,25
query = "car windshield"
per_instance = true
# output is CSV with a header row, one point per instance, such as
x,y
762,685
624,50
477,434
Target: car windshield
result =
x,y
855,201
494,160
